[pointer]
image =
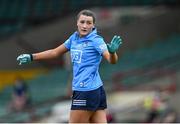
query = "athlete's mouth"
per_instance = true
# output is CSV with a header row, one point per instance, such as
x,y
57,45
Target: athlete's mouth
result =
x,y
83,30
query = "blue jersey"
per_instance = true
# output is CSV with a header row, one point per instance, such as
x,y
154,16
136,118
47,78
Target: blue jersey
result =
x,y
86,54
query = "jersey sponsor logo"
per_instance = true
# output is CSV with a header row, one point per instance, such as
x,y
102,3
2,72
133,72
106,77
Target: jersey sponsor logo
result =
x,y
76,56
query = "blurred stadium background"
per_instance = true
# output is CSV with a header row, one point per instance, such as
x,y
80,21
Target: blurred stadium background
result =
x,y
149,57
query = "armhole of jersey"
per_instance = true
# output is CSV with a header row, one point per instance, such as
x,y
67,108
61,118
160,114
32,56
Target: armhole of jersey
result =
x,y
66,47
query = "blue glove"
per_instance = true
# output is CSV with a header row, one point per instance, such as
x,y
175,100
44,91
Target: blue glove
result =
x,y
24,58
114,45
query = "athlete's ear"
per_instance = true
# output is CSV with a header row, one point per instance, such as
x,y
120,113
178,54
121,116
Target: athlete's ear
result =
x,y
77,22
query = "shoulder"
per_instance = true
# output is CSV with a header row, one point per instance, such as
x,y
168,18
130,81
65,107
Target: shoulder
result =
x,y
94,35
98,37
73,36
97,40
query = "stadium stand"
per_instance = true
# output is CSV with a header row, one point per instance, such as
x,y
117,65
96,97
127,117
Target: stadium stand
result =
x,y
49,86
144,58
42,89
15,16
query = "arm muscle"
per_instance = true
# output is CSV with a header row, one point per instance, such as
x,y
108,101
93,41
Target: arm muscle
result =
x,y
50,54
111,58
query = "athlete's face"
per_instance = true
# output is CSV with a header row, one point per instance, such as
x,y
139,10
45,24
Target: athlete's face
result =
x,y
85,25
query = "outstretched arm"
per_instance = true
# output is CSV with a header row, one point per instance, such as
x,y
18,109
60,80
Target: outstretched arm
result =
x,y
48,54
111,55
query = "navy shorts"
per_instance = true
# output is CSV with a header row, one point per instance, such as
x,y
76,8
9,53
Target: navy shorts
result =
x,y
89,100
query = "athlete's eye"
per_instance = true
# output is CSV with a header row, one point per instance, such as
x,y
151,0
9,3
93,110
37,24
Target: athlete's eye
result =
x,y
82,22
89,22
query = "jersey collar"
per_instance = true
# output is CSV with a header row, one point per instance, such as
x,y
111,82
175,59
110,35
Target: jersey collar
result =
x,y
91,34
